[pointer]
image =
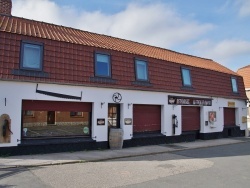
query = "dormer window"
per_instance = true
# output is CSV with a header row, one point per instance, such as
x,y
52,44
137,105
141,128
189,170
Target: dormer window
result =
x,y
31,56
141,70
102,65
234,84
186,77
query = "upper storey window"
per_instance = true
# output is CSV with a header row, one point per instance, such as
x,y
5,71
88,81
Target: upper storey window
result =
x,y
141,69
234,84
186,77
32,56
102,65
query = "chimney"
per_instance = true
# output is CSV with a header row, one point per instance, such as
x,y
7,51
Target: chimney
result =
x,y
5,7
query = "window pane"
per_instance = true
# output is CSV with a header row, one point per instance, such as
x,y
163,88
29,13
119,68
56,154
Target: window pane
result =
x,y
186,77
64,124
234,85
32,56
102,65
141,70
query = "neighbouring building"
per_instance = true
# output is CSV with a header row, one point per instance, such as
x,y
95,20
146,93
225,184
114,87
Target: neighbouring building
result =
x,y
245,73
63,88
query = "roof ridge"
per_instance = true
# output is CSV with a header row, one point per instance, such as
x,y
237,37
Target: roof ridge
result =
x,y
243,67
117,38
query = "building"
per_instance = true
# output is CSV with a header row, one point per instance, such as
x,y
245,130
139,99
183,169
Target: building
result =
x,y
245,73
63,88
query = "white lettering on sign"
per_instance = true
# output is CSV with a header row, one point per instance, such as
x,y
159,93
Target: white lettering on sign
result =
x,y
202,102
183,101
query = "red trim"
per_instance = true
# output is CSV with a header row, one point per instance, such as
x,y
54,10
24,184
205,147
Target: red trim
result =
x,y
56,106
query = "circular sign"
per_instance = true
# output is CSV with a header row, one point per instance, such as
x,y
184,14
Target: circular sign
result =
x,y
117,97
86,130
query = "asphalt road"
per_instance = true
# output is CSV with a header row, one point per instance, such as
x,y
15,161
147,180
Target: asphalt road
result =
x,y
221,166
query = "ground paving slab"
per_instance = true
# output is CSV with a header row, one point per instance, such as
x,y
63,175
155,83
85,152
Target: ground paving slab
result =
x,y
101,155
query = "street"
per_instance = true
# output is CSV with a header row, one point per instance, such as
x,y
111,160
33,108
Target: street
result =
x,y
221,166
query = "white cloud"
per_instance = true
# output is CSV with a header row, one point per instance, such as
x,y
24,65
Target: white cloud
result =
x,y
244,8
154,24
223,51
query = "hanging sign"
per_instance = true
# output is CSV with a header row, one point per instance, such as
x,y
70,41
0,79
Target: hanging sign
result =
x,y
176,100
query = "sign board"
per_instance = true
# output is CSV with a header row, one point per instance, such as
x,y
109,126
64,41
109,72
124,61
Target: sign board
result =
x,y
176,100
244,119
231,104
100,121
128,121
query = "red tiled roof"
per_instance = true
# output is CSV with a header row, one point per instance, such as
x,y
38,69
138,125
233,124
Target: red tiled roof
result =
x,y
245,73
60,33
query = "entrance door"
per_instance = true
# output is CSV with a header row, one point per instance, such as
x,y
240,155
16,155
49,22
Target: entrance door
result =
x,y
51,117
114,115
229,117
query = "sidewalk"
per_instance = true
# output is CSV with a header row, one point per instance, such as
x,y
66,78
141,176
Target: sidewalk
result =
x,y
101,155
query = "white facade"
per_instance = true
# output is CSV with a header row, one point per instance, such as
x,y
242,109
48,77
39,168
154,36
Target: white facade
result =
x,y
14,92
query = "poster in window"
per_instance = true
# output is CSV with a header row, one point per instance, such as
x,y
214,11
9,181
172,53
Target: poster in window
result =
x,y
212,116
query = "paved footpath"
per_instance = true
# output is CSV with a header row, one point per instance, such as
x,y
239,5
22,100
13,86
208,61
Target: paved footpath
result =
x,y
101,155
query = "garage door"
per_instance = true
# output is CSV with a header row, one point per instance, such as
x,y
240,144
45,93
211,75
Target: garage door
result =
x,y
229,116
146,118
190,118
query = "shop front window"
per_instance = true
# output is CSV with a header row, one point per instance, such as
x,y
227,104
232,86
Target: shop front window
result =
x,y
38,124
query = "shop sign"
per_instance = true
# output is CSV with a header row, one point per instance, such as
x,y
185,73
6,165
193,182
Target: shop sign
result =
x,y
176,100
101,121
231,104
244,119
128,121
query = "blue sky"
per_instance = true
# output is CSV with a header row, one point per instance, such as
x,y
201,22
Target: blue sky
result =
x,y
214,29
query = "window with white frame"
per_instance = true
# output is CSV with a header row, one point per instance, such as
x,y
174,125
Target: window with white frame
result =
x,y
32,56
102,65
141,69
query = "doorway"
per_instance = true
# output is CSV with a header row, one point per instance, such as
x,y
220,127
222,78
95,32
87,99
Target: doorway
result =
x,y
113,115
51,117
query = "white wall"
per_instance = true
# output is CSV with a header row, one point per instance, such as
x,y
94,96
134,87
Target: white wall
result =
x,y
15,92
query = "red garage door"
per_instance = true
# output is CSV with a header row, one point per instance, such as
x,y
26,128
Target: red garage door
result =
x,y
190,118
146,118
229,116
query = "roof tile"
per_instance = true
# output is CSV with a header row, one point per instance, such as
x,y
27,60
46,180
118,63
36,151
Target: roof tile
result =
x,y
245,73
59,33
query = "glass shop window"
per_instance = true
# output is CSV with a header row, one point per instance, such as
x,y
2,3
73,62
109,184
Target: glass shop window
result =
x,y
55,124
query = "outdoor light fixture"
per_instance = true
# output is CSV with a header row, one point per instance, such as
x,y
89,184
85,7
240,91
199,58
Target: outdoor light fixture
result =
x,y
102,103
